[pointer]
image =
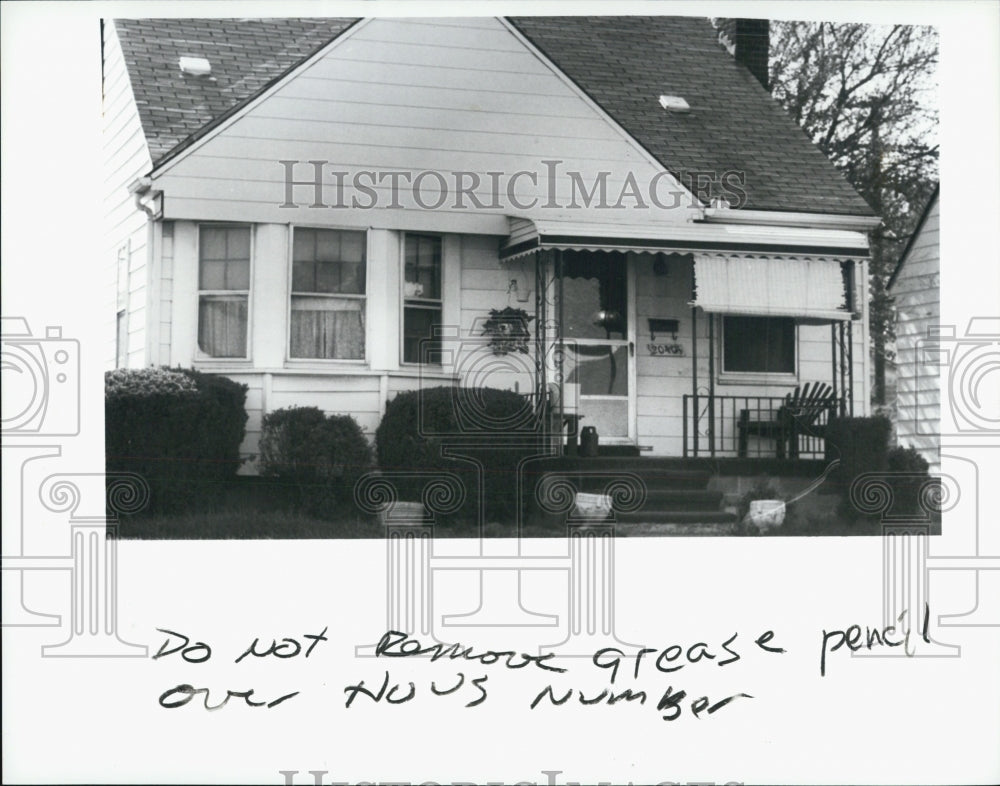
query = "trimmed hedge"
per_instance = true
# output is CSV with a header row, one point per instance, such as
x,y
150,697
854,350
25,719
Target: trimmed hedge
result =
x,y
178,428
861,444
322,456
906,488
418,425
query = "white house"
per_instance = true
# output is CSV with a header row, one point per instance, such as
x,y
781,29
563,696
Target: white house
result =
x,y
915,285
328,210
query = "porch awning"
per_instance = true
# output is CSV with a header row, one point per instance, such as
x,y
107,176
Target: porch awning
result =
x,y
800,287
528,236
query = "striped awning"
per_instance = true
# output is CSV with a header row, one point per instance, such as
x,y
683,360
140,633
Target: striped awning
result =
x,y
806,288
528,236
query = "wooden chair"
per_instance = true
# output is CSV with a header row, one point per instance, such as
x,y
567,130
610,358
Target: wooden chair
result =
x,y
797,415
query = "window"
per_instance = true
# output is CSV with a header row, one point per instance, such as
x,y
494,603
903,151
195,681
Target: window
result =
x,y
224,290
763,345
422,299
328,294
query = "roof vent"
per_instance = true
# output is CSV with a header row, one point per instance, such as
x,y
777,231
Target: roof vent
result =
x,y
195,66
674,104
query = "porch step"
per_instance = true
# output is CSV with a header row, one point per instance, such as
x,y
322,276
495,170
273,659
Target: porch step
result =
x,y
659,516
686,499
674,530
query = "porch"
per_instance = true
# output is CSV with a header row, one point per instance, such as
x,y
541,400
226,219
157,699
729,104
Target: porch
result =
x,y
688,355
669,496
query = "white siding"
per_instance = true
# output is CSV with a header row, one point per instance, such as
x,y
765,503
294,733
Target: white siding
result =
x,y
418,95
412,95
917,294
126,157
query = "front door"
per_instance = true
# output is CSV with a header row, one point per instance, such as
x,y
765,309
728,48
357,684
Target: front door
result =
x,y
599,336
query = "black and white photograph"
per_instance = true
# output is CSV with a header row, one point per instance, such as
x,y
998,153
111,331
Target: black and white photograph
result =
x,y
644,276
554,392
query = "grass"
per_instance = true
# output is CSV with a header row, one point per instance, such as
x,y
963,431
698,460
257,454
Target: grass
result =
x,y
252,508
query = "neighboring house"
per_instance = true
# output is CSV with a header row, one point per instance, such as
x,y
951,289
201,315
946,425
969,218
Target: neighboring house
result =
x,y
915,285
254,231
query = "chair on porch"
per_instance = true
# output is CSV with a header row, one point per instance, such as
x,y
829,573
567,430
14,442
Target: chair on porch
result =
x,y
797,415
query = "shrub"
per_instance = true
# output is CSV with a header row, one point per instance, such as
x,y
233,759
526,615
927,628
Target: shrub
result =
x,y
906,487
417,425
862,445
322,456
178,428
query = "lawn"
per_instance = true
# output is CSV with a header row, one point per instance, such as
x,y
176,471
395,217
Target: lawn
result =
x,y
259,508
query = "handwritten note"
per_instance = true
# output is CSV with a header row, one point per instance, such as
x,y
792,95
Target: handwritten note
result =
x,y
661,678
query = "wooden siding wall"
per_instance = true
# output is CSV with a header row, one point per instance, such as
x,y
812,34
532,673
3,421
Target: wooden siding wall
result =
x,y
918,302
126,157
412,94
475,281
358,388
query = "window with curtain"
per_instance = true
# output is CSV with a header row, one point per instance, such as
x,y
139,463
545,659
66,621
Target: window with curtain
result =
x,y
328,294
764,345
224,290
422,299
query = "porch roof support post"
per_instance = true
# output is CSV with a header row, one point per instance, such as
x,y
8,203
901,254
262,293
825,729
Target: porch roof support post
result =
x,y
843,380
850,368
541,372
562,343
694,375
711,385
833,356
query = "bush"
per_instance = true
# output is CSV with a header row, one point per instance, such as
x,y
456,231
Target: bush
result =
x,y
906,487
862,445
178,428
418,424
322,456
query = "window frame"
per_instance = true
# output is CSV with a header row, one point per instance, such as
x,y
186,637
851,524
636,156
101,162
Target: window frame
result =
x,y
199,354
365,297
426,304
123,263
725,375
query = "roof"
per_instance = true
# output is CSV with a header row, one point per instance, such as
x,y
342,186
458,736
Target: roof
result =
x,y
247,56
623,63
915,234
734,124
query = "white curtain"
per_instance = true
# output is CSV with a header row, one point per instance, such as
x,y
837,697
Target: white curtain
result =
x,y
222,326
325,327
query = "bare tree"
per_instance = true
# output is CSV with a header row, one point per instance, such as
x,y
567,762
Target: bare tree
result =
x,y
865,94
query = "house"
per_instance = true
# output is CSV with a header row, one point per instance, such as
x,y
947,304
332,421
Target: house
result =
x,y
915,287
329,209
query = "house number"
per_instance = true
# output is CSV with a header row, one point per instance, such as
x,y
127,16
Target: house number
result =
x,y
658,350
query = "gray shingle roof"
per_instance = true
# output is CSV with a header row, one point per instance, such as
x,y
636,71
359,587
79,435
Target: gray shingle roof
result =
x,y
246,55
622,63
626,63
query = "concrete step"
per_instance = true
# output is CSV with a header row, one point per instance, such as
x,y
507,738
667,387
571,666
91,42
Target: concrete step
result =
x,y
682,499
660,516
674,530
